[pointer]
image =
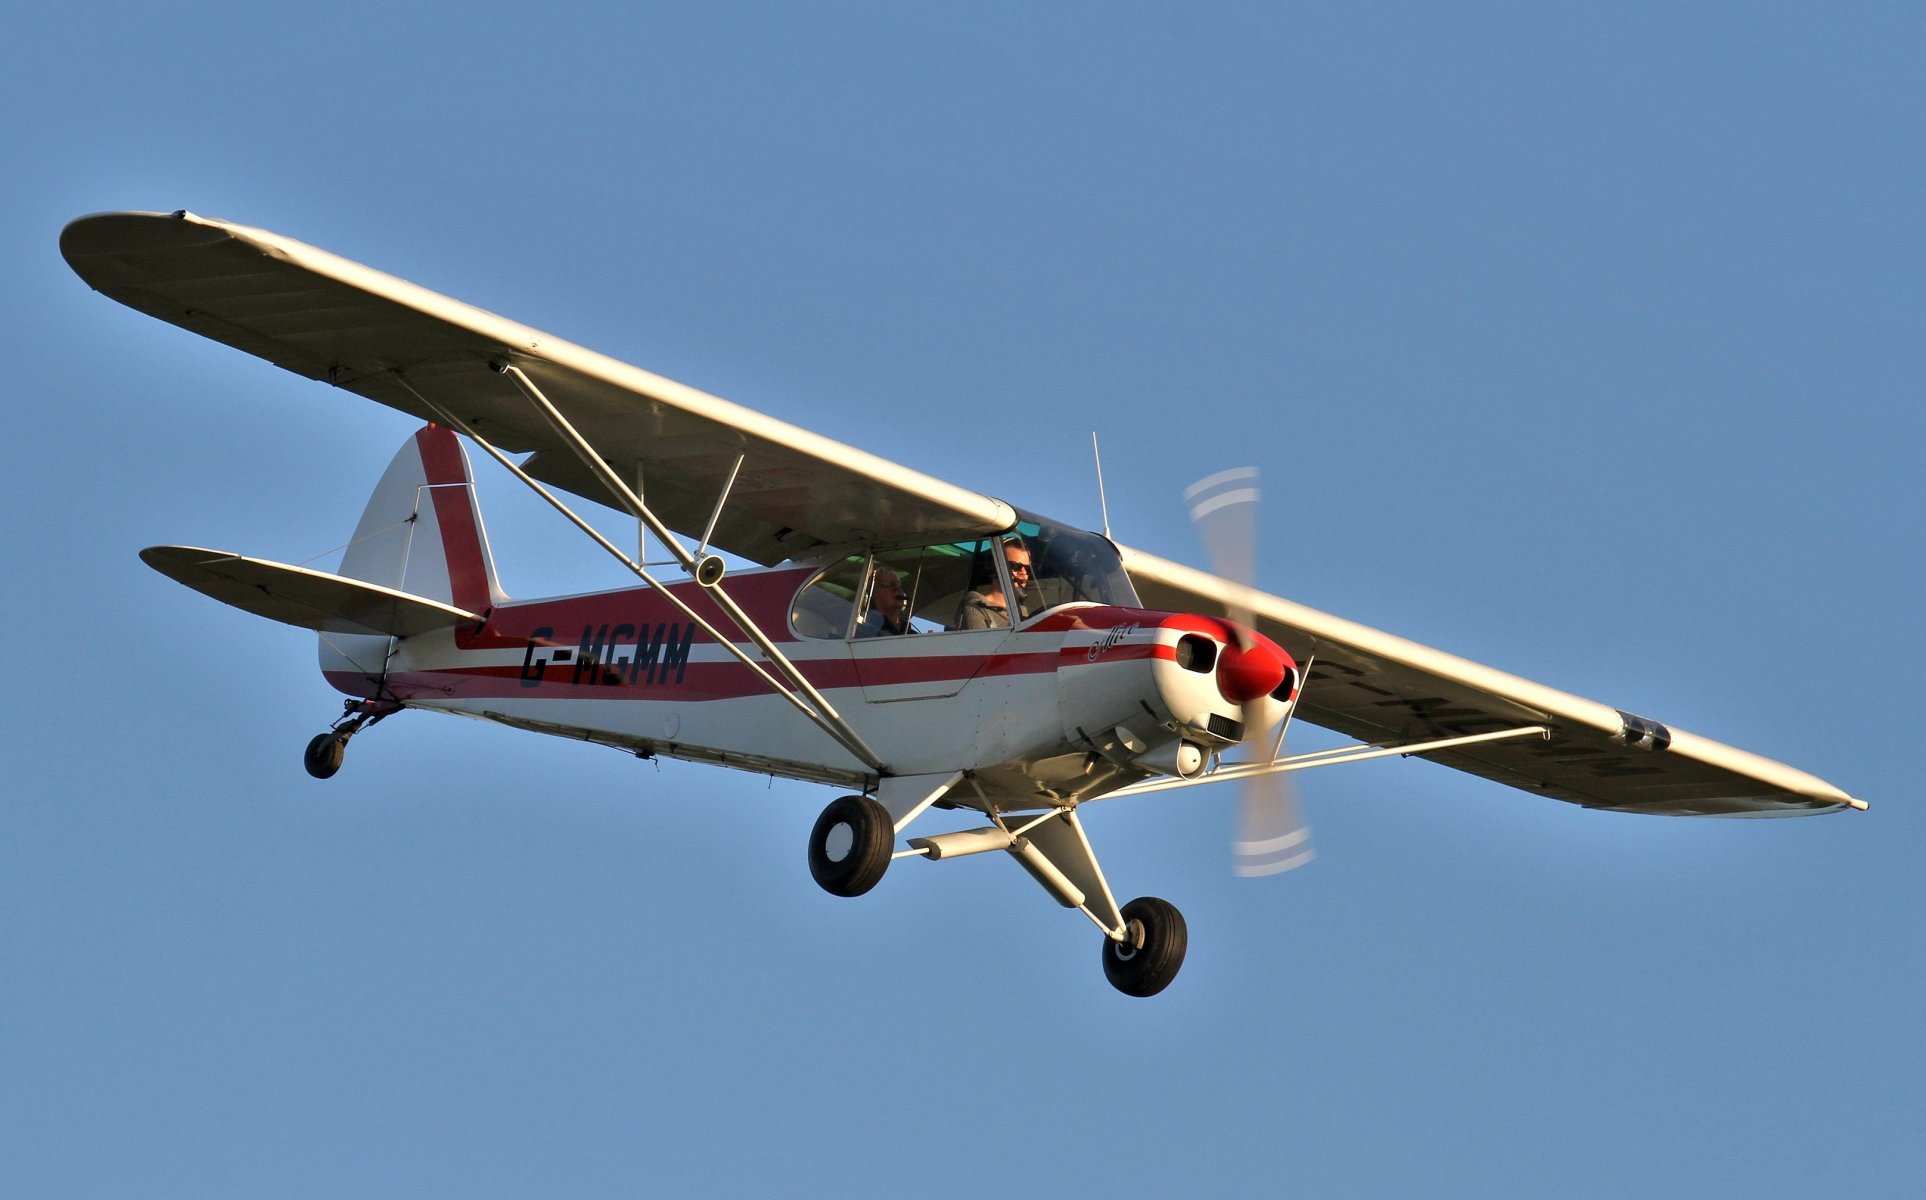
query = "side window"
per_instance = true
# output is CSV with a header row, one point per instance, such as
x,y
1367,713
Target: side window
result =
x,y
907,592
980,583
973,576
827,604
961,586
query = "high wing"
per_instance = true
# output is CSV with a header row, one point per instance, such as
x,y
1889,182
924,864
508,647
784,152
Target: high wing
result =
x,y
326,318
1382,689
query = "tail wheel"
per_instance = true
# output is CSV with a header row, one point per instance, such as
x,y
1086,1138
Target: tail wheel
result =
x,y
850,845
324,754
1152,950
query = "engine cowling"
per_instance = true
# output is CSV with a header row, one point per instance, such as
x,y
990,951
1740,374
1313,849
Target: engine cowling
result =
x,y
1135,684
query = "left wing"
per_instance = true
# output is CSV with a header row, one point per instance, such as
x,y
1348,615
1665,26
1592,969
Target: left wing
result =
x,y
326,318
1383,689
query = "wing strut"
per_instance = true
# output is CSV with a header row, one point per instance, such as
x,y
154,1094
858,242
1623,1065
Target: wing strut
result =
x,y
1327,758
707,570
722,501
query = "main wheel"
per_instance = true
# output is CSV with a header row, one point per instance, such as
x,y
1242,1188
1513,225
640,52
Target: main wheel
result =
x,y
1155,939
849,847
323,755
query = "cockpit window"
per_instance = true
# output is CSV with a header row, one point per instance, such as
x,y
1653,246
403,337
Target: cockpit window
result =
x,y
1070,566
902,586
827,605
978,583
945,586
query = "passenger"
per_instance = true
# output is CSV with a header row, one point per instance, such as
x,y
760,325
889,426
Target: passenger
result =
x,y
986,606
889,607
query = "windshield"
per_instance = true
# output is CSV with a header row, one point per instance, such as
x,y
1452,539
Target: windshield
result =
x,y
1068,566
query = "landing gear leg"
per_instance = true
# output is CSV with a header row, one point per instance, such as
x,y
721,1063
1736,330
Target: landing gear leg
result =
x,y
323,756
1152,949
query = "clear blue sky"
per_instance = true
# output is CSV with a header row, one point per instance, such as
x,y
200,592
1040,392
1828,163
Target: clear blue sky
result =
x,y
1580,340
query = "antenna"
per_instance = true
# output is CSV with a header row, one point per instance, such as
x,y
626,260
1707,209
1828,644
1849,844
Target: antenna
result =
x,y
1103,501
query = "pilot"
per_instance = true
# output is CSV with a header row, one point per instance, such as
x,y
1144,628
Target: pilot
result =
x,y
1022,580
986,606
889,607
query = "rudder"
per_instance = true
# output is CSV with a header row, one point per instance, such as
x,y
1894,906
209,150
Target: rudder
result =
x,y
421,533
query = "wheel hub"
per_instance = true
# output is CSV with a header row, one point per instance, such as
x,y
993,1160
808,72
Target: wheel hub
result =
x,y
837,845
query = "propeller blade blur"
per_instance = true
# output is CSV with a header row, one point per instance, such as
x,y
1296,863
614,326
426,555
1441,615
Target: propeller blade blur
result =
x,y
1223,507
1271,838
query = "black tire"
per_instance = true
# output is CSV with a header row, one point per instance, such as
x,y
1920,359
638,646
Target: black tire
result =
x,y
849,847
1147,960
324,754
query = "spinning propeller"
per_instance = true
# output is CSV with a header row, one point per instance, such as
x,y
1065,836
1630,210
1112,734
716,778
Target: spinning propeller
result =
x,y
1271,837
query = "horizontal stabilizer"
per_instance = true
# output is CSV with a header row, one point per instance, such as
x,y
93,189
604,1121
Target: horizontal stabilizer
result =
x,y
298,596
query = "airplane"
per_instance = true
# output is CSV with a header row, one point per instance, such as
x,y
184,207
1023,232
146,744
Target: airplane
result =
x,y
918,646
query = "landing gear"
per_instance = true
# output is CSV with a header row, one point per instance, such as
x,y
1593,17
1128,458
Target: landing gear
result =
x,y
324,754
849,849
325,751
1152,949
1144,941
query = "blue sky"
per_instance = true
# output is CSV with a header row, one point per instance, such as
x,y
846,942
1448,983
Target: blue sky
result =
x,y
1583,341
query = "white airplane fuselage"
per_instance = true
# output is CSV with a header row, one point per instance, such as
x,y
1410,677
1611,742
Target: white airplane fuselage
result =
x,y
1064,706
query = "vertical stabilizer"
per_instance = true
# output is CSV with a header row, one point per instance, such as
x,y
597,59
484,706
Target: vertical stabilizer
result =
x,y
421,533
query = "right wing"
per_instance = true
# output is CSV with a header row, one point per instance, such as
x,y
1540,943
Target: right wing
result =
x,y
1384,690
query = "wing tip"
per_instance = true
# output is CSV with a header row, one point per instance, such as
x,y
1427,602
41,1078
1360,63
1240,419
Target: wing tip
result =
x,y
117,233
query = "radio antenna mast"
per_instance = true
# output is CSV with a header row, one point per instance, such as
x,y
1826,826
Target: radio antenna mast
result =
x,y
1103,501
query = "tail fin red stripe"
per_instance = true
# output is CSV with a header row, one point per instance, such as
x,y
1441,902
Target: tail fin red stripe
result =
x,y
455,509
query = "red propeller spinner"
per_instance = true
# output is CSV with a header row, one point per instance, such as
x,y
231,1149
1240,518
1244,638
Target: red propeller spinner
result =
x,y
1249,667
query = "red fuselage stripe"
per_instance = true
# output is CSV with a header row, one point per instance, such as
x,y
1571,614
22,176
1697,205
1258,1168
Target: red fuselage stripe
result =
x,y
615,680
